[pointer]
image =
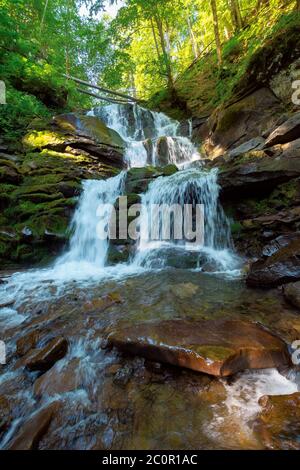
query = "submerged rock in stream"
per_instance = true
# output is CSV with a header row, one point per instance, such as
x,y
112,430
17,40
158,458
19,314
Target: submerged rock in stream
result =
x,y
278,424
216,347
35,428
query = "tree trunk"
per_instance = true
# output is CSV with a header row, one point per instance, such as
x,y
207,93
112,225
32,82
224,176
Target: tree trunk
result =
x,y
44,14
193,39
155,39
298,5
216,30
165,53
236,15
105,90
262,3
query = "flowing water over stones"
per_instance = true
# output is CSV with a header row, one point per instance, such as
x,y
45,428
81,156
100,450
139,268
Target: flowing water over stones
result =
x,y
87,397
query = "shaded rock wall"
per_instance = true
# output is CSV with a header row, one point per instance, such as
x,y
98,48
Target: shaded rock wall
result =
x,y
39,186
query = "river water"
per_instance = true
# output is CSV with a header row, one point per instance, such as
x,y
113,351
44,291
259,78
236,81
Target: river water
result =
x,y
115,402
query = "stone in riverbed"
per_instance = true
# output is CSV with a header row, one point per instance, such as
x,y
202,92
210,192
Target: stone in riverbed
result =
x,y
57,380
34,428
278,424
43,359
27,342
5,414
292,293
280,268
217,347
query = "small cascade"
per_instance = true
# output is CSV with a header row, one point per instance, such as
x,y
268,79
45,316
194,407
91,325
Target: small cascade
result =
x,y
152,138
91,217
194,187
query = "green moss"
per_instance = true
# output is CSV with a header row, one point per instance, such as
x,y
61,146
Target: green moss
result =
x,y
236,228
214,353
41,139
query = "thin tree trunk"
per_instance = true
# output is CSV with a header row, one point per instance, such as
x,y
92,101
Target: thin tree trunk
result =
x,y
165,53
44,14
103,98
216,30
105,90
155,39
193,39
262,3
298,5
236,15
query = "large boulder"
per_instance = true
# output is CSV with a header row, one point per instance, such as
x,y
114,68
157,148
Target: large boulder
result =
x,y
82,134
218,347
247,118
281,267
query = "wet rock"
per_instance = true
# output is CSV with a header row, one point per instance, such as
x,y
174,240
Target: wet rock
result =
x,y
216,347
184,290
278,424
58,380
27,342
33,430
43,359
279,242
292,293
103,303
138,179
280,268
5,414
287,132
9,303
172,257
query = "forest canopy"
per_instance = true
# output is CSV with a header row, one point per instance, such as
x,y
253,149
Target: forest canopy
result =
x,y
145,48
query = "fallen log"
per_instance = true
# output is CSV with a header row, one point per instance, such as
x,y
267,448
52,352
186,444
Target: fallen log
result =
x,y
104,98
105,90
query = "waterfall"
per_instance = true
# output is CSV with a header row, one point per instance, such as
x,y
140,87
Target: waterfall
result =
x,y
151,137
195,187
93,209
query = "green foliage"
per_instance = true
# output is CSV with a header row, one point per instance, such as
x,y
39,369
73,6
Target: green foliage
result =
x,y
21,108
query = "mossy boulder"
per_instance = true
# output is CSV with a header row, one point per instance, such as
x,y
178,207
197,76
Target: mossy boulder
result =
x,y
40,189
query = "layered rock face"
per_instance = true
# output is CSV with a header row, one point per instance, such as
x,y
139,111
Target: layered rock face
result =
x,y
40,184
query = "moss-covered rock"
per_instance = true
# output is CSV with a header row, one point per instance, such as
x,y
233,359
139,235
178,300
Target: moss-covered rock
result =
x,y
39,190
138,179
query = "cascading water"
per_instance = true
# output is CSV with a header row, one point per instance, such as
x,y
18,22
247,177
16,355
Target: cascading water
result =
x,y
93,212
194,187
71,285
152,138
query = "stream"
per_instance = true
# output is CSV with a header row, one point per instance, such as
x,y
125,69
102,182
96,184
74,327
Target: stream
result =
x,y
108,401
